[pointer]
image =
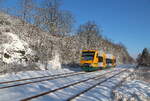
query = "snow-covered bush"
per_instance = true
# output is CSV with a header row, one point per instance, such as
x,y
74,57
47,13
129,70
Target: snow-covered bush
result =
x,y
15,50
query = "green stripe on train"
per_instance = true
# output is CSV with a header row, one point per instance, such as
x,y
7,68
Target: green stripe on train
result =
x,y
91,68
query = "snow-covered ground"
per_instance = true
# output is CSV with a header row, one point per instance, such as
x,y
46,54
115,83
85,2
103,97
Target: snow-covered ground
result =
x,y
17,93
51,71
66,93
101,92
135,90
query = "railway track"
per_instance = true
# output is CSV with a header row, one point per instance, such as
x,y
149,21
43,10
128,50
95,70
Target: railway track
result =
x,y
96,78
34,78
78,96
15,83
86,90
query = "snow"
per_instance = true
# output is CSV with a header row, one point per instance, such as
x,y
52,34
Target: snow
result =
x,y
66,93
17,93
110,56
55,62
30,74
18,50
103,92
136,90
13,47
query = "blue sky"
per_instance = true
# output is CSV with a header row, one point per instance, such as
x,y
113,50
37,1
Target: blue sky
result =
x,y
125,21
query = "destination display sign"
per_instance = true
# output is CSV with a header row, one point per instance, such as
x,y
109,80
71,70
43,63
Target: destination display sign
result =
x,y
88,53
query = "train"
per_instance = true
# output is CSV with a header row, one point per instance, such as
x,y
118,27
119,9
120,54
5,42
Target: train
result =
x,y
92,60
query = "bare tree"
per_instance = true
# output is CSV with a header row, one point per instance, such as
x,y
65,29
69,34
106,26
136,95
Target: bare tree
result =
x,y
26,10
52,19
89,34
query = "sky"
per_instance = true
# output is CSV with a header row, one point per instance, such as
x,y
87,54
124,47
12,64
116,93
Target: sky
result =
x,y
125,21
122,21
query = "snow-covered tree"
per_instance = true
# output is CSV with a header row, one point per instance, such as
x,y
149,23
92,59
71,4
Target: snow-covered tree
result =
x,y
144,58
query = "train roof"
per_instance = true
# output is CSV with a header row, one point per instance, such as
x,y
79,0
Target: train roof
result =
x,y
100,53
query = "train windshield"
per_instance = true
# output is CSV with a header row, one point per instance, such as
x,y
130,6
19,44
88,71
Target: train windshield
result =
x,y
88,55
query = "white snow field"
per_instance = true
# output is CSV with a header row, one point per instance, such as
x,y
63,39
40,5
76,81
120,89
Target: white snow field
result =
x,y
135,90
102,92
19,92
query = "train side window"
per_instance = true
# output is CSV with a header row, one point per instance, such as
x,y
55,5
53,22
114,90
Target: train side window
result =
x,y
114,60
109,61
100,59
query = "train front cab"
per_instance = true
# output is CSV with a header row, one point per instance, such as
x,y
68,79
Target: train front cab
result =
x,y
91,61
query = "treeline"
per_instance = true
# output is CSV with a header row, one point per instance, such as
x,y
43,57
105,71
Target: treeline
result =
x,y
46,15
143,58
89,36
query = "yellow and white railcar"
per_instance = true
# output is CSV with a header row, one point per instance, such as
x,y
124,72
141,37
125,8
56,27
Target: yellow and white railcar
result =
x,y
110,60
